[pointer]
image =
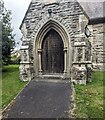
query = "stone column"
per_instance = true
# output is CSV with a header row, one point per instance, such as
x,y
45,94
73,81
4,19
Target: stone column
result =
x,y
75,54
65,60
83,55
39,57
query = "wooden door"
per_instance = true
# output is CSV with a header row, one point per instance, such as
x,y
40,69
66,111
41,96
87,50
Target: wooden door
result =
x,y
52,53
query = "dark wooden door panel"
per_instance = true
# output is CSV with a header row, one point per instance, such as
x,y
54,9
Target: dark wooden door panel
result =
x,y
52,53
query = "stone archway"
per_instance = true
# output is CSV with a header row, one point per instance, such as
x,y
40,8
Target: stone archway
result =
x,y
52,57
61,31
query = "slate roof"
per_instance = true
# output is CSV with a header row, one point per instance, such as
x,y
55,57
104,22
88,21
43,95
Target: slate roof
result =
x,y
94,9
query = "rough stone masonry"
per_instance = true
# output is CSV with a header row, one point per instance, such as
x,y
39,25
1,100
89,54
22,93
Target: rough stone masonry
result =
x,y
82,49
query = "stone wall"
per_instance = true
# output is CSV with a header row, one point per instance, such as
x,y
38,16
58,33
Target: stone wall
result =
x,y
68,12
64,12
98,53
66,15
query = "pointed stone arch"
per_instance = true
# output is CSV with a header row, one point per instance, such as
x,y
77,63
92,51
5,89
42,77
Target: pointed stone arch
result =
x,y
60,29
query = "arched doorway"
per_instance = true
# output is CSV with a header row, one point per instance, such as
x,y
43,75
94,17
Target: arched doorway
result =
x,y
52,57
52,27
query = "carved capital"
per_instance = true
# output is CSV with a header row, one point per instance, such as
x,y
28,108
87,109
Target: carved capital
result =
x,y
39,50
65,49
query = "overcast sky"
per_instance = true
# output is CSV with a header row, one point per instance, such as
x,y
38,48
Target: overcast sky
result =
x,y
18,9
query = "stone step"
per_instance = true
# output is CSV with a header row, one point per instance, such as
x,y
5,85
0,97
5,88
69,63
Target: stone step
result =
x,y
60,77
52,80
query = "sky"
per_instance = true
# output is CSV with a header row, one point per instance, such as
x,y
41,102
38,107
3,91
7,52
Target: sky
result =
x,y
18,9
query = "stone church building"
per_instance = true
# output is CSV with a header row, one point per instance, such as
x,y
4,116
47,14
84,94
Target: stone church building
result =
x,y
60,39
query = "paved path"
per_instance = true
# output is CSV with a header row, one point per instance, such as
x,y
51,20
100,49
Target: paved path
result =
x,y
42,100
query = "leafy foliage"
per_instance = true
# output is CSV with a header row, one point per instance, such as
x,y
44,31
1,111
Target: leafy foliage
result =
x,y
8,41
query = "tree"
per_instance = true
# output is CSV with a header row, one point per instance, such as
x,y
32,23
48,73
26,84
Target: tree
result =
x,y
8,41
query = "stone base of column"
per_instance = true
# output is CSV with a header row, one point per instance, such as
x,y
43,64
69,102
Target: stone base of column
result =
x,y
65,73
40,72
25,74
78,74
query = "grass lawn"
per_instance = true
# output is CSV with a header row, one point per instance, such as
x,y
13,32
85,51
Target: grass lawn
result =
x,y
89,98
11,85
